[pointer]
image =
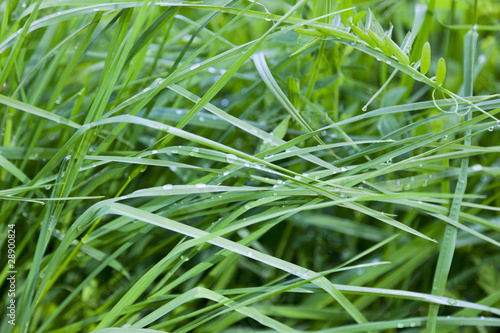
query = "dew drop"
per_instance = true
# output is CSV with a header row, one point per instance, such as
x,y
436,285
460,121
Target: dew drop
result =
x,y
477,167
224,102
154,152
490,129
230,158
323,133
298,177
194,66
201,185
401,325
179,111
343,169
211,70
168,187
364,108
194,151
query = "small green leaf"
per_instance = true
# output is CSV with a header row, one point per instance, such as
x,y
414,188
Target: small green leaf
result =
x,y
337,33
441,71
359,16
373,24
309,32
425,61
402,57
361,34
380,43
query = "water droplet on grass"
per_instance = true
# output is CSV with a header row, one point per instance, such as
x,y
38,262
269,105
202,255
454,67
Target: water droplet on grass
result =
x,y
230,158
201,185
194,151
168,187
477,167
343,169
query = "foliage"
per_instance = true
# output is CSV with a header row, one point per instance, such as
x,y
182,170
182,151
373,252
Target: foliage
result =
x,y
237,166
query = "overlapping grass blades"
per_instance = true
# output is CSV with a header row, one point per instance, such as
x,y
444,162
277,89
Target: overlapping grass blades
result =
x,y
213,167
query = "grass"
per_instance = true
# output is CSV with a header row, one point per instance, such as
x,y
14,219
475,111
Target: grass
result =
x,y
239,166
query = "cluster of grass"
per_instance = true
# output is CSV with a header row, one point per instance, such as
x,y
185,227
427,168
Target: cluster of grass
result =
x,y
236,166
